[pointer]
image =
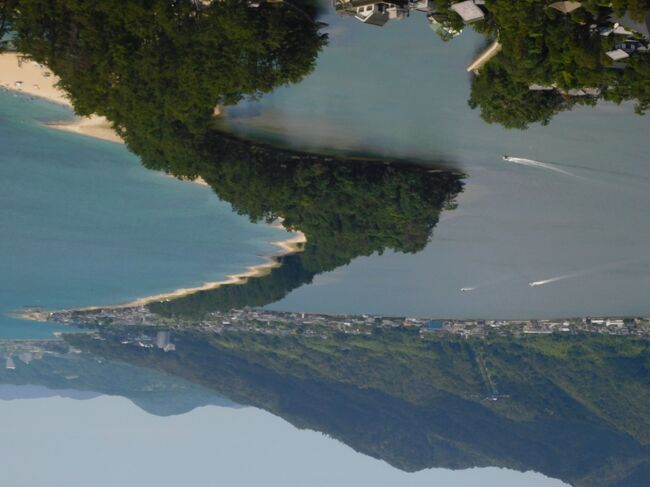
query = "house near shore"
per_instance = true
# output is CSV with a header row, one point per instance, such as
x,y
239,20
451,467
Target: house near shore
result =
x,y
641,27
469,11
378,13
372,12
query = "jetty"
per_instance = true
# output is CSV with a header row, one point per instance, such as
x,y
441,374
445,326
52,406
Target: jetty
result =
x,y
484,57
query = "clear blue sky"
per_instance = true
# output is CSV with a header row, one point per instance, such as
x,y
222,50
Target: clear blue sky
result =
x,y
108,441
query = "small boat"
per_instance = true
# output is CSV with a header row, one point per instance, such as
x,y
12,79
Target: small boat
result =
x,y
507,158
466,289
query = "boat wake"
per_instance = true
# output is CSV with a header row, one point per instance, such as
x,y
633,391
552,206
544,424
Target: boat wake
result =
x,y
587,272
554,279
536,164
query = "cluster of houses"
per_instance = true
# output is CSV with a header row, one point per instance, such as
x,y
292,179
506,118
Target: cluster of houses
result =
x,y
630,35
634,35
378,13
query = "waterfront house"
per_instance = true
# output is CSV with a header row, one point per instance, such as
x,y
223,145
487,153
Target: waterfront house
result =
x,y
468,11
373,12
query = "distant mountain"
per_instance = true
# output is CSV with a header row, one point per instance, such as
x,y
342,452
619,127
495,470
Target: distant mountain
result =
x,y
574,408
83,376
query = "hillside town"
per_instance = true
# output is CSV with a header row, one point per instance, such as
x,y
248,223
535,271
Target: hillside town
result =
x,y
253,320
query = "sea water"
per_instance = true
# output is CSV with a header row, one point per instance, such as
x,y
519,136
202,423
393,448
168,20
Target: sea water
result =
x,y
83,223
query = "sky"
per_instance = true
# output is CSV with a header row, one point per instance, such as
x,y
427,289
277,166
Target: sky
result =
x,y
108,441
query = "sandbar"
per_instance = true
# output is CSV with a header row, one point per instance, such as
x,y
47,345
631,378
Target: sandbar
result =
x,y
33,79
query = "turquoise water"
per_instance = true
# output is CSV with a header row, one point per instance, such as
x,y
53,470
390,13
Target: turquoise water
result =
x,y
399,90
83,223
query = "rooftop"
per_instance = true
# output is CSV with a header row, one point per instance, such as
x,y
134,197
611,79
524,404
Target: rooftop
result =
x,y
468,10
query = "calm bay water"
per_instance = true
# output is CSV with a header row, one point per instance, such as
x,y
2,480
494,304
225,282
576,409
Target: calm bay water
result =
x,y
581,222
84,223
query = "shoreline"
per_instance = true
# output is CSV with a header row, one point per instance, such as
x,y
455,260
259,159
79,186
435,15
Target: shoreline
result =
x,y
30,78
94,126
26,77
287,246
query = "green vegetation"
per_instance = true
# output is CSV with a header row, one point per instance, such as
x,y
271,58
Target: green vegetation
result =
x,y
571,407
152,63
320,197
544,47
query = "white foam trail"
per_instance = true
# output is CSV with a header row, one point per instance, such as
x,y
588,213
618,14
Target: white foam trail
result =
x,y
552,279
533,163
587,272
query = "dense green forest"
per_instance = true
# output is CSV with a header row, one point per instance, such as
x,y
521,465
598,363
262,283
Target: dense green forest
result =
x,y
575,408
158,69
144,63
321,197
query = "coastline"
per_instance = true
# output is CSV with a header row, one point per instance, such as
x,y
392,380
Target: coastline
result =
x,y
94,126
286,247
33,79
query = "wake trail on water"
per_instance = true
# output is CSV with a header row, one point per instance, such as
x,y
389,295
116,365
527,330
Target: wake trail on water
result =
x,y
555,279
557,167
587,272
619,174
538,164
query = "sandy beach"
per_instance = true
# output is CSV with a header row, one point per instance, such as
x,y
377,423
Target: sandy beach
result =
x,y
93,126
288,246
33,79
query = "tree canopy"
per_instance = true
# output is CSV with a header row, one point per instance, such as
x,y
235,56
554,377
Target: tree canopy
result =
x,y
141,61
347,208
565,53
